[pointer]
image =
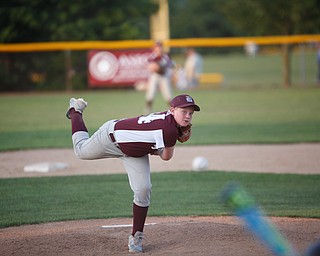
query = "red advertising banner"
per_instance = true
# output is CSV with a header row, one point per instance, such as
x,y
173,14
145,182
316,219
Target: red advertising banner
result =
x,y
117,68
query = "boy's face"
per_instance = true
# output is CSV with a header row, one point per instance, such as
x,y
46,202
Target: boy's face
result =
x,y
158,50
183,116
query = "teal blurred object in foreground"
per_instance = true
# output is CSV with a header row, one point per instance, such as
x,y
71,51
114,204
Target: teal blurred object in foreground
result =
x,y
243,205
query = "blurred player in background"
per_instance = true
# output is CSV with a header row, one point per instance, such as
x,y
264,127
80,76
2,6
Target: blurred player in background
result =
x,y
161,68
192,68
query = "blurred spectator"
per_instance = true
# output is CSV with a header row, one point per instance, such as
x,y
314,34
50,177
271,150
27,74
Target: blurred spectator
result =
x,y
251,49
192,68
160,66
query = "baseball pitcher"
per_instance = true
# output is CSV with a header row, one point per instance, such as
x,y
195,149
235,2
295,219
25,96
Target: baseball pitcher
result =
x,y
132,140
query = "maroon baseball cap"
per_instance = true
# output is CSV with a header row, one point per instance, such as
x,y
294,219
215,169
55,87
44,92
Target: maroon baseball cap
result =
x,y
158,43
183,101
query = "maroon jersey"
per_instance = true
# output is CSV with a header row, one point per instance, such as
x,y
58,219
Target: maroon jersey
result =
x,y
143,135
163,60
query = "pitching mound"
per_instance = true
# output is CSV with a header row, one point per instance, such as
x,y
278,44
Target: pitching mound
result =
x,y
164,236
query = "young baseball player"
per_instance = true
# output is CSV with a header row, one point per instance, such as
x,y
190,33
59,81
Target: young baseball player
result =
x,y
160,66
133,140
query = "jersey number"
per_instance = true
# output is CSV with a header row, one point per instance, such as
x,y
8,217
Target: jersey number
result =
x,y
149,118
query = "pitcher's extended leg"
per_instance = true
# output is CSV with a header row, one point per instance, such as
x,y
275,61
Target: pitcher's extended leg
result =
x,y
74,113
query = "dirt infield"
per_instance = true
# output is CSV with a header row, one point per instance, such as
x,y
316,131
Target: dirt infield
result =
x,y
169,236
288,158
164,235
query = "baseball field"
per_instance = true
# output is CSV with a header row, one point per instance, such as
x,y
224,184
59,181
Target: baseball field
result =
x,y
266,139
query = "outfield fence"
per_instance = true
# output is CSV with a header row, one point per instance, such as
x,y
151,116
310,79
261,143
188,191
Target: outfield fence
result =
x,y
242,61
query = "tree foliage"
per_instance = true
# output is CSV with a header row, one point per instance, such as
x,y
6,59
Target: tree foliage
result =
x,y
60,20
189,18
217,18
274,17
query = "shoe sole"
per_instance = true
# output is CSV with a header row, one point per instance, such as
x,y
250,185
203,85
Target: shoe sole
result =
x,y
82,102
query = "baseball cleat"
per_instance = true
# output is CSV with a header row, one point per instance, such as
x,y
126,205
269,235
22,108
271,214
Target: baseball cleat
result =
x,y
135,242
78,104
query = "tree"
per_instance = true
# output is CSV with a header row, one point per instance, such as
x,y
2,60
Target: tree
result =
x,y
202,18
270,17
63,20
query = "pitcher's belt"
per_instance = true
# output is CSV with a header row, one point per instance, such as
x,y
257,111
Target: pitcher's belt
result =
x,y
113,139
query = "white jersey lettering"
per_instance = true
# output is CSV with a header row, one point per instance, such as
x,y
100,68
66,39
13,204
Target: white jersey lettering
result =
x,y
149,118
129,136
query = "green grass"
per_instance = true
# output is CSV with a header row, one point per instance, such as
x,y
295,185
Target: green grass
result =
x,y
38,200
226,116
232,114
262,71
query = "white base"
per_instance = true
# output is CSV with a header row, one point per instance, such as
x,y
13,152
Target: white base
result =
x,y
45,167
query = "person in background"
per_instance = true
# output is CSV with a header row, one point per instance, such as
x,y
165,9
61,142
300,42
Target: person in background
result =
x,y
192,68
160,66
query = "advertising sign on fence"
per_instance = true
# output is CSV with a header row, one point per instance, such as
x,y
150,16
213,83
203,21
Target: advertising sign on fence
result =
x,y
117,68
